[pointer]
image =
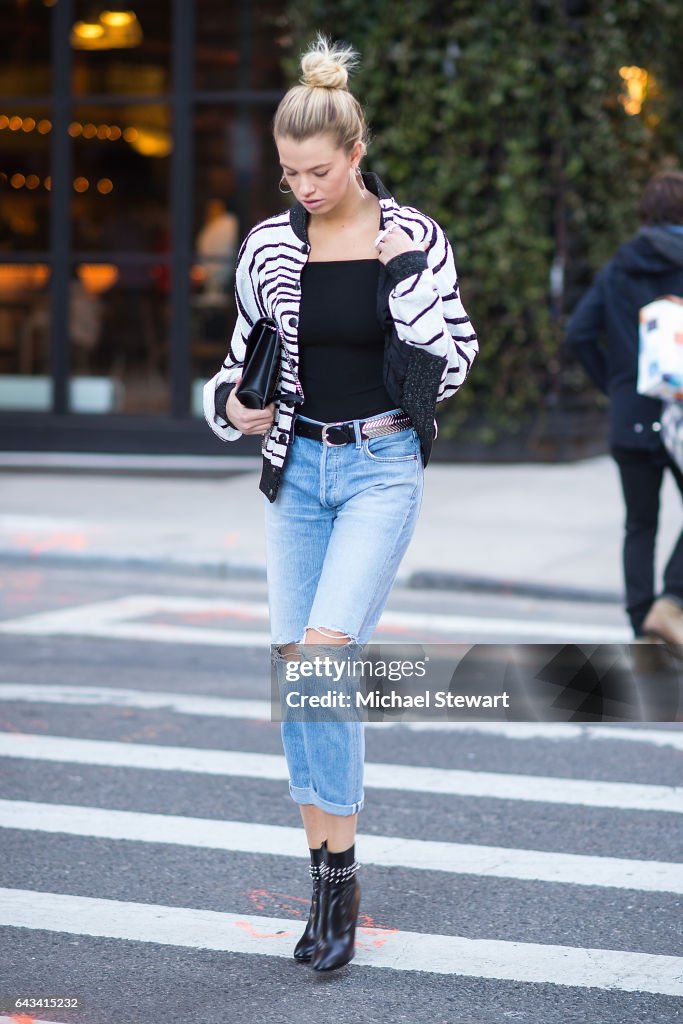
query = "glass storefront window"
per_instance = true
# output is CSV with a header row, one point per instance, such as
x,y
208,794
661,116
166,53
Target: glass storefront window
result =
x,y
25,182
235,186
237,45
24,336
235,160
25,48
123,49
118,334
115,343
121,177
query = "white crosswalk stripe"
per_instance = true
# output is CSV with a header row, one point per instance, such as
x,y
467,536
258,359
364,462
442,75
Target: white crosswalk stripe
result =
x,y
380,948
408,778
385,851
260,710
583,967
121,619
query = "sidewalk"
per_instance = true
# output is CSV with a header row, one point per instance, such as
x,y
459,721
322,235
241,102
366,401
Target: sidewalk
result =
x,y
551,530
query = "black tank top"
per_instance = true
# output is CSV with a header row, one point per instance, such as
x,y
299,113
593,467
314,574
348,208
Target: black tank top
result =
x,y
341,343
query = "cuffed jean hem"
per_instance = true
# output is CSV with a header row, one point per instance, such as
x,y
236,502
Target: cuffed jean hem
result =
x,y
309,796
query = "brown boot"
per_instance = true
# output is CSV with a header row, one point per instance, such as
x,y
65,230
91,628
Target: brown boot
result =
x,y
665,620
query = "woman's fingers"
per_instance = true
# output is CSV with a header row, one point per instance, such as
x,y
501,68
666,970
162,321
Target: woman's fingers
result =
x,y
393,240
249,421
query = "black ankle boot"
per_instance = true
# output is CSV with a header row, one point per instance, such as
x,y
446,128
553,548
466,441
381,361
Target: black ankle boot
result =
x,y
339,901
303,950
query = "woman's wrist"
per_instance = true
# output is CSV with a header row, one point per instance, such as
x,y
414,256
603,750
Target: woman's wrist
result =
x,y
223,392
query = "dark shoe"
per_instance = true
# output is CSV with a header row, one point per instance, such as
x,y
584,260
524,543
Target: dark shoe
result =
x,y
303,951
665,622
339,911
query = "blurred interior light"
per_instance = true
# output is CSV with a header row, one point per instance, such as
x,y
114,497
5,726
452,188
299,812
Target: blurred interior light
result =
x,y
105,186
636,82
97,277
33,181
117,19
44,126
81,184
85,35
115,132
113,30
151,142
4,121
29,124
75,129
48,183
15,123
17,181
16,278
89,131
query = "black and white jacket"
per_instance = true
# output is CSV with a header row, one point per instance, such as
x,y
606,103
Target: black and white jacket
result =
x,y
429,341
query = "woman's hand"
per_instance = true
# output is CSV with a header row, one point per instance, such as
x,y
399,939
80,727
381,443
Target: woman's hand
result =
x,y
393,241
249,421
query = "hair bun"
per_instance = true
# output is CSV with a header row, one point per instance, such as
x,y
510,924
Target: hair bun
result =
x,y
326,66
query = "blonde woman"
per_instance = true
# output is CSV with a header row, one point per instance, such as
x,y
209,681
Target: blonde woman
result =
x,y
374,334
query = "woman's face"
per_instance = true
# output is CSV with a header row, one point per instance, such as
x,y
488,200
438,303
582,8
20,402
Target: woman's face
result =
x,y
318,173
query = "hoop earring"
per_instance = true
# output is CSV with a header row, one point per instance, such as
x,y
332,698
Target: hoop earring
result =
x,y
284,191
361,183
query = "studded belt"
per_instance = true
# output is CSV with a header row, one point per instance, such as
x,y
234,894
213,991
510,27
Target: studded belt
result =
x,y
333,434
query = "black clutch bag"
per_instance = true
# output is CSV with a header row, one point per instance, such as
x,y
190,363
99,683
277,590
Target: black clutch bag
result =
x,y
260,372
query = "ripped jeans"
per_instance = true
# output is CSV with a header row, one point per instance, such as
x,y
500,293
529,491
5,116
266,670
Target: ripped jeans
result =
x,y
335,537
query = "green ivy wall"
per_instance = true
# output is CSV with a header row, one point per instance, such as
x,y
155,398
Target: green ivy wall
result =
x,y
504,121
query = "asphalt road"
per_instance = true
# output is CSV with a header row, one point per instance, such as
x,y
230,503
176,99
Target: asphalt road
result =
x,y
532,876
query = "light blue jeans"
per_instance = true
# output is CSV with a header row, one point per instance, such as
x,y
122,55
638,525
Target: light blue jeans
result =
x,y
335,537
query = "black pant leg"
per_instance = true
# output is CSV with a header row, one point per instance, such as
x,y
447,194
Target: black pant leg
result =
x,y
641,479
673,573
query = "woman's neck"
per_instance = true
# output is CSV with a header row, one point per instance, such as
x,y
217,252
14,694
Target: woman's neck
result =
x,y
350,214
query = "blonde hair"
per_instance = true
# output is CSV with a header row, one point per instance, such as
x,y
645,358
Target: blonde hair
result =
x,y
322,103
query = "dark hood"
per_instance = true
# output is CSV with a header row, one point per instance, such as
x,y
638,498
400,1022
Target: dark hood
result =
x,y
654,250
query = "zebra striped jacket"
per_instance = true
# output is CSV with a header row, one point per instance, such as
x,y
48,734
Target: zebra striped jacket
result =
x,y
429,341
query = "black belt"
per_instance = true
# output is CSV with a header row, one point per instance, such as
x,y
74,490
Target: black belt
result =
x,y
344,433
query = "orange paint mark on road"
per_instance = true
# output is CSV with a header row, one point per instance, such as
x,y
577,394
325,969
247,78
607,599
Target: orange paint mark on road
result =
x,y
213,616
249,928
59,540
8,726
297,907
375,938
22,1018
262,899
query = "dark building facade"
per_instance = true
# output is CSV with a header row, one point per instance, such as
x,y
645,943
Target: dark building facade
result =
x,y
135,153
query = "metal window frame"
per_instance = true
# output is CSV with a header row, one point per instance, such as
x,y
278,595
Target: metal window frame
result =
x,y
61,429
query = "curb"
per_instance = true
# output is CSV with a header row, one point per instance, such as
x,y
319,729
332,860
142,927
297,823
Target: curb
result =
x,y
111,464
433,580
70,559
416,580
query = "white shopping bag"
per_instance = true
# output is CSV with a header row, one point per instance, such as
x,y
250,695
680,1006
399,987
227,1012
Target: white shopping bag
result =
x,y
660,354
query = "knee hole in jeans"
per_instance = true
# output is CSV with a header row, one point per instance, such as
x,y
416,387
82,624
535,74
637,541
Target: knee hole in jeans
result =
x,y
314,635
289,652
324,635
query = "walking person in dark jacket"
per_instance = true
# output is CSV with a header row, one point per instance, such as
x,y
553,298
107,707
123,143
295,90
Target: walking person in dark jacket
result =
x,y
603,334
